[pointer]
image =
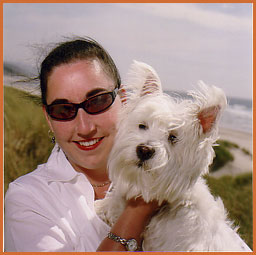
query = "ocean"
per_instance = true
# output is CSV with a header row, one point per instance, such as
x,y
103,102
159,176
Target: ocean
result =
x,y
237,116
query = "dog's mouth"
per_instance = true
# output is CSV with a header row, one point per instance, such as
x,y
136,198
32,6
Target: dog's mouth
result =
x,y
140,164
143,165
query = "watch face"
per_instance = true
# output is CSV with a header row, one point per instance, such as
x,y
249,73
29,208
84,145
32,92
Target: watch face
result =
x,y
132,245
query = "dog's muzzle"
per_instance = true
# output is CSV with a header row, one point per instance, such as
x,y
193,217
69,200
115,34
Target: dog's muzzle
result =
x,y
145,152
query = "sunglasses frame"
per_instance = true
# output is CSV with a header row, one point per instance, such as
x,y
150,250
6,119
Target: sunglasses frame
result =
x,y
81,105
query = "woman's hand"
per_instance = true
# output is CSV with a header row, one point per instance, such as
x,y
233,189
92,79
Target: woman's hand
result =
x,y
131,223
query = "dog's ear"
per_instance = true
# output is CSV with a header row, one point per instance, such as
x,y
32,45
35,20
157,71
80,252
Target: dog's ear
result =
x,y
208,117
122,94
210,102
152,83
142,80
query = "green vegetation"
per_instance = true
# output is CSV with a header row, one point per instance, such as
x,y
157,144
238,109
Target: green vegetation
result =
x,y
26,144
236,193
224,155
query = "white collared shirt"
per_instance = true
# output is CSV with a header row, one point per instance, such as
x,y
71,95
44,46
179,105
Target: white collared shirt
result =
x,y
52,209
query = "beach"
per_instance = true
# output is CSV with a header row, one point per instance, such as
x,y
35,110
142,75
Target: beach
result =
x,y
242,162
240,116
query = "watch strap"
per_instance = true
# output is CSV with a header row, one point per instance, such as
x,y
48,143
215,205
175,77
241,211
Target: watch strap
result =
x,y
127,243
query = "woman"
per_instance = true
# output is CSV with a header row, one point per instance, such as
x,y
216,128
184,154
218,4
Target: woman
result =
x,y
52,208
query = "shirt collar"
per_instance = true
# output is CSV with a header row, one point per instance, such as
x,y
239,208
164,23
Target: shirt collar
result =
x,y
58,168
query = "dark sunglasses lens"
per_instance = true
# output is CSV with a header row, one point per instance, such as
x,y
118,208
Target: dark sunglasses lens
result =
x,y
99,103
62,111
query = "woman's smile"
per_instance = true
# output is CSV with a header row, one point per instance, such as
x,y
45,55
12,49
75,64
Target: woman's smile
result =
x,y
89,144
75,82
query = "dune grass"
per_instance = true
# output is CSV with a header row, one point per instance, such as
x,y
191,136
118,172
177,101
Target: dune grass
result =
x,y
26,144
236,193
224,155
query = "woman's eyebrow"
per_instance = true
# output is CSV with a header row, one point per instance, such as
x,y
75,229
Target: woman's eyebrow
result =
x,y
60,101
89,94
95,92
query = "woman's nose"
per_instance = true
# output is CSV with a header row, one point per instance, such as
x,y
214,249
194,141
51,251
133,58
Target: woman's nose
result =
x,y
84,123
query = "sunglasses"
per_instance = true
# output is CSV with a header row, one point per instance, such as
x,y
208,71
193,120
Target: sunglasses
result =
x,y
92,105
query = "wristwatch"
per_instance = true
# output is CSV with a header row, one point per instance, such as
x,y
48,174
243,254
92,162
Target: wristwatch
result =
x,y
130,244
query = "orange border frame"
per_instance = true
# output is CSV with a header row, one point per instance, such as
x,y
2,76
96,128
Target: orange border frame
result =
x,y
1,125
116,1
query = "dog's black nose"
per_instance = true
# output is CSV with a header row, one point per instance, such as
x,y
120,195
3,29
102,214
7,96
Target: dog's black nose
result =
x,y
144,152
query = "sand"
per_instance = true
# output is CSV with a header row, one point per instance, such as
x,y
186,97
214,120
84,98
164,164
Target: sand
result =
x,y
243,162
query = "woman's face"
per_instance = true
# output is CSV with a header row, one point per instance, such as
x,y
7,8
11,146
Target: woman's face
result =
x,y
87,139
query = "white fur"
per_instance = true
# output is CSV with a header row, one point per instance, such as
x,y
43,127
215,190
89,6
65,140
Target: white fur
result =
x,y
191,220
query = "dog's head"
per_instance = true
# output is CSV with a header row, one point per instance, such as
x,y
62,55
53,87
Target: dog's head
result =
x,y
163,144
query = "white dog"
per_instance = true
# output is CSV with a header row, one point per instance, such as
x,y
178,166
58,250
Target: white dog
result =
x,y
162,148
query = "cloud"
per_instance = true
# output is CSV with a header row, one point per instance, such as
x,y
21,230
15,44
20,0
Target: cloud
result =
x,y
183,42
193,13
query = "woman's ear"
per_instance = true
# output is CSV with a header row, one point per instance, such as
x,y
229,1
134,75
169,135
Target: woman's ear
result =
x,y
47,117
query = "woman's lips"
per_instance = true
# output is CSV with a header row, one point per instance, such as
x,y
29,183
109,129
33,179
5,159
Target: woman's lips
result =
x,y
89,144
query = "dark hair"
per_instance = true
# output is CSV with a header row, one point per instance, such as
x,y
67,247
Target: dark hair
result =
x,y
78,49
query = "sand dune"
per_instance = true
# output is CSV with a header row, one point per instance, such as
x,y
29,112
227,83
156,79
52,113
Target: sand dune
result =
x,y
242,162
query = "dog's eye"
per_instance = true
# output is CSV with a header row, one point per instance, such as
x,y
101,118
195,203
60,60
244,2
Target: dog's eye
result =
x,y
143,126
173,139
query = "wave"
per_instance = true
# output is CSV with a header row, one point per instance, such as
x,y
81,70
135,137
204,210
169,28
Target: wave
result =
x,y
238,117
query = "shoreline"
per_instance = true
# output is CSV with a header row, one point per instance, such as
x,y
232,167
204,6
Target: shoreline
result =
x,y
241,138
243,162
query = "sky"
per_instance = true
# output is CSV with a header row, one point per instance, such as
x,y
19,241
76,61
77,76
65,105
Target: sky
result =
x,y
183,42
